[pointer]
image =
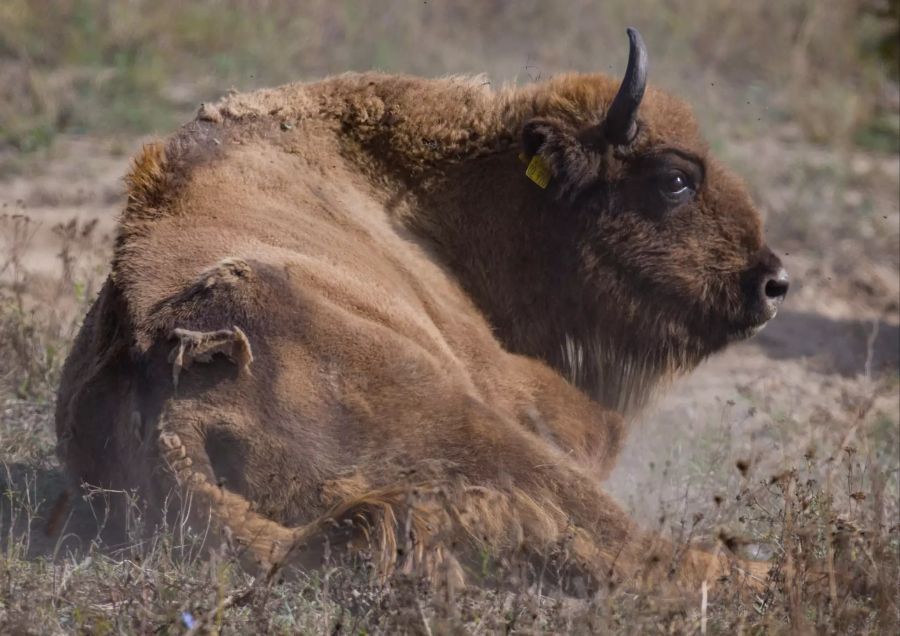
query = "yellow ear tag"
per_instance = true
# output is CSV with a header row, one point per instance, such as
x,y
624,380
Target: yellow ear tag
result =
x,y
538,171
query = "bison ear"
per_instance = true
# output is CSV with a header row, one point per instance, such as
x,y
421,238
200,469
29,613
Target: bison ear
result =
x,y
572,164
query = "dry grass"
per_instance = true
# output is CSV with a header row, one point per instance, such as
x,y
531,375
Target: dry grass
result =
x,y
787,450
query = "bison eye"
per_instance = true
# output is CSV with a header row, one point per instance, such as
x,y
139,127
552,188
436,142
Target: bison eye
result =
x,y
676,186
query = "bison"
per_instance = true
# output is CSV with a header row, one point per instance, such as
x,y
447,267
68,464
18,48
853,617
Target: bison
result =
x,y
414,318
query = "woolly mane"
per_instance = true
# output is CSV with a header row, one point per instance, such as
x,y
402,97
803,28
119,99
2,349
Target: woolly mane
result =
x,y
417,121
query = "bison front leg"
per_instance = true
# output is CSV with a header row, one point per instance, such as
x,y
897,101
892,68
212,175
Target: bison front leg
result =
x,y
487,486
542,502
614,549
597,538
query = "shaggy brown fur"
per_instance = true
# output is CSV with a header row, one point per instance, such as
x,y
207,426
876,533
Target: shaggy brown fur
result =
x,y
389,323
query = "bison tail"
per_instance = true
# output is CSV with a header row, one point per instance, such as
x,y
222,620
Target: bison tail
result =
x,y
264,540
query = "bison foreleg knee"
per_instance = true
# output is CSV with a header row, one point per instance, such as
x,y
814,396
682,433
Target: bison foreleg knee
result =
x,y
201,346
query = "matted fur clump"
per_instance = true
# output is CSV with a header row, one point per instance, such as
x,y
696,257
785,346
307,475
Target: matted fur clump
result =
x,y
340,313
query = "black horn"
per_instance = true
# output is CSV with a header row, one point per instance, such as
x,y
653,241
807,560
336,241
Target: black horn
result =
x,y
621,119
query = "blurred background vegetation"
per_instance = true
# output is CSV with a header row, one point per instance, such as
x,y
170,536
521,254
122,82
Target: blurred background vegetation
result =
x,y
142,66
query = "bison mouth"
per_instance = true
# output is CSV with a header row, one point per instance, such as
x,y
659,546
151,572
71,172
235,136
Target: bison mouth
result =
x,y
763,291
745,333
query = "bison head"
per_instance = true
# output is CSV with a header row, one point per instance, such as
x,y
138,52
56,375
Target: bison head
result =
x,y
668,246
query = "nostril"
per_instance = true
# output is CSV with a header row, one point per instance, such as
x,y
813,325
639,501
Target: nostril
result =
x,y
776,287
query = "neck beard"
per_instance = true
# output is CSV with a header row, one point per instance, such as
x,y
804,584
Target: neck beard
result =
x,y
624,380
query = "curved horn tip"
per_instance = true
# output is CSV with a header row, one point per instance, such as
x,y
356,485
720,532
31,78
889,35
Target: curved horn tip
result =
x,y
635,36
636,73
621,119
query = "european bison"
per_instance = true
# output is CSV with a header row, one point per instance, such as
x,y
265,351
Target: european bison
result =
x,y
408,316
